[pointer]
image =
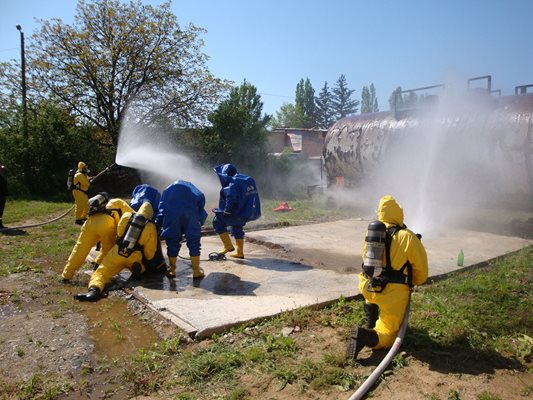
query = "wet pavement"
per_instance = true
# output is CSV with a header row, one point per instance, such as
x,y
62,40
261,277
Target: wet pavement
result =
x,y
290,268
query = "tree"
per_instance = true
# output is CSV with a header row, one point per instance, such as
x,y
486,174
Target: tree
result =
x,y
120,57
396,99
343,105
369,101
324,108
238,133
305,101
288,116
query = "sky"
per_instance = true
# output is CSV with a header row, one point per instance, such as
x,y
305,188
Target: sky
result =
x,y
273,44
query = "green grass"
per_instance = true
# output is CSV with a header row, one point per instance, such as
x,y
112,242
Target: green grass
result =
x,y
486,310
23,210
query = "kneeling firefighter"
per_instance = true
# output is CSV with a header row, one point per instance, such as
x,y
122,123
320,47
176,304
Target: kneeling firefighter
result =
x,y
238,204
182,213
394,260
137,239
81,181
101,226
146,193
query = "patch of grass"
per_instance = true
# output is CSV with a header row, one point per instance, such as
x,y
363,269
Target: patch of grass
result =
x,y
487,396
218,362
482,309
23,210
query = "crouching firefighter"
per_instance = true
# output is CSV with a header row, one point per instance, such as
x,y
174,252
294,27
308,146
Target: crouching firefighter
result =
x,y
136,238
100,227
146,193
394,260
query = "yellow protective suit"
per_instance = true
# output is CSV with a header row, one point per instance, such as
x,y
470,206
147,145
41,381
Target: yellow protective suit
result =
x,y
81,187
114,262
392,302
99,227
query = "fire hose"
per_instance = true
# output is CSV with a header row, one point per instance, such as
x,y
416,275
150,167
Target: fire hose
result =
x,y
107,169
373,377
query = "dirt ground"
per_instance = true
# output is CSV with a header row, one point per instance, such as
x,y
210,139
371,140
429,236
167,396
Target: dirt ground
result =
x,y
39,334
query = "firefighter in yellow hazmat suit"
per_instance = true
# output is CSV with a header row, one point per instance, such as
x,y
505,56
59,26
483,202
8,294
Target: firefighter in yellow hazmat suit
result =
x,y
81,184
136,237
387,294
101,226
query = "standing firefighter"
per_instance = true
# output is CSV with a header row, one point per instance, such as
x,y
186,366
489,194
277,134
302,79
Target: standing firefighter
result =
x,y
80,188
136,239
394,260
101,226
182,213
238,204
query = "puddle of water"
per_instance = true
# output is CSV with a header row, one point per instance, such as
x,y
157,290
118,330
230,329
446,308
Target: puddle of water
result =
x,y
116,332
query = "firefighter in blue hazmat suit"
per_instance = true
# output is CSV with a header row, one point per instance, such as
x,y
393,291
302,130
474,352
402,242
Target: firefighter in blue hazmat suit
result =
x,y
182,213
80,192
387,295
238,204
146,193
101,226
136,240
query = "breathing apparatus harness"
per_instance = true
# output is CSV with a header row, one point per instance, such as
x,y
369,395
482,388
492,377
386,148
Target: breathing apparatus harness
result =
x,y
129,243
379,240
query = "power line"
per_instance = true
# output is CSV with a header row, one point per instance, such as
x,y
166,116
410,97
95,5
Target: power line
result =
x,y
276,95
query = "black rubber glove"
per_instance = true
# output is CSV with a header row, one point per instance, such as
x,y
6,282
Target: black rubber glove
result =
x,y
92,295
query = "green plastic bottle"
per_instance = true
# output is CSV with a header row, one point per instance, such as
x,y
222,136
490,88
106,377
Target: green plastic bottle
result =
x,y
460,258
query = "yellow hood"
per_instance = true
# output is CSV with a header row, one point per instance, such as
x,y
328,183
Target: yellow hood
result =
x,y
81,166
118,204
389,211
146,210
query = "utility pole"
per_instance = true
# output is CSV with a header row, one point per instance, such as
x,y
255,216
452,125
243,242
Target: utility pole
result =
x,y
23,72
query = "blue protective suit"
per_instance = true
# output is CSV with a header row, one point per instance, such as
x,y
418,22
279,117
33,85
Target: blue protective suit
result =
x,y
238,203
142,193
182,213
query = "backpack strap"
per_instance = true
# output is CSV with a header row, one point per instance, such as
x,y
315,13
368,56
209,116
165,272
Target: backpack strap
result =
x,y
397,276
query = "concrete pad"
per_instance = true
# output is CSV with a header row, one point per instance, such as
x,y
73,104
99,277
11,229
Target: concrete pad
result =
x,y
290,268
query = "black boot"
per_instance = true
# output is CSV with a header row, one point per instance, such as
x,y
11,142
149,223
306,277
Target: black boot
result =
x,y
372,314
136,270
92,295
360,337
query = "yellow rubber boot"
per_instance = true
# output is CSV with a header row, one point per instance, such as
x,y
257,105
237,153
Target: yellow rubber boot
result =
x,y
226,240
240,249
197,272
171,271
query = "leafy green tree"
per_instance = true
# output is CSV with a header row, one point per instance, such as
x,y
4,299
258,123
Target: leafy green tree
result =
x,y
396,99
324,108
39,164
119,57
369,101
305,101
343,104
288,116
238,132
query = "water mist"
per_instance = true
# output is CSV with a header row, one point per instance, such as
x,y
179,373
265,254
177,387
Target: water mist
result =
x,y
157,157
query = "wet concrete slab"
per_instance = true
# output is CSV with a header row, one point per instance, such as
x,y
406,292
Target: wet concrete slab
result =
x,y
290,268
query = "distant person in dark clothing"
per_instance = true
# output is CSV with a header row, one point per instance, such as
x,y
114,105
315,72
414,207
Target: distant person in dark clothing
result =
x,y
3,192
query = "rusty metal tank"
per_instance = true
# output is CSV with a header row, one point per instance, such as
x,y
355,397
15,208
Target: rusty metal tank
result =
x,y
356,147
